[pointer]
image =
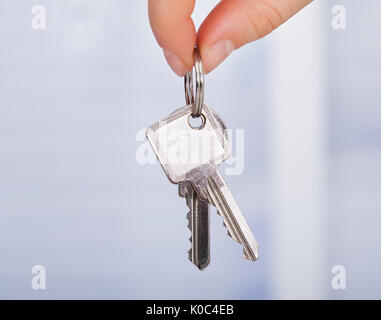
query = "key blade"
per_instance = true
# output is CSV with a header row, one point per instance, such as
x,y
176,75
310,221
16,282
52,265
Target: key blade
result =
x,y
234,220
198,223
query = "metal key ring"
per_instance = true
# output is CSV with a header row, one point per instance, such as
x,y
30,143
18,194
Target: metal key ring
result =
x,y
198,99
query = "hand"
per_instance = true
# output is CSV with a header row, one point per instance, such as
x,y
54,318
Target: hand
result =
x,y
230,25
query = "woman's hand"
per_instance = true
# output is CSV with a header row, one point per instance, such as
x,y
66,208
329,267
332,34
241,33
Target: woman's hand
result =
x,y
230,25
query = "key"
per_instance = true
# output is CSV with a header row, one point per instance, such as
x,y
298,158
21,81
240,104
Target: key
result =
x,y
193,154
198,218
198,223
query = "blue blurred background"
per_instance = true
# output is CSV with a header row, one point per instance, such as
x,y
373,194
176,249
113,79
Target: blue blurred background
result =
x,y
74,101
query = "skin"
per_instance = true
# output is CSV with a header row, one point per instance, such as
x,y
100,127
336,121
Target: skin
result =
x,y
230,25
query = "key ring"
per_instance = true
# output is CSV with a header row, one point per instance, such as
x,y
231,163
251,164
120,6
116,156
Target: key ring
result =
x,y
198,100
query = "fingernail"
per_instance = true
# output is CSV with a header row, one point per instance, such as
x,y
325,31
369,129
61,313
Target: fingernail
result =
x,y
217,53
175,63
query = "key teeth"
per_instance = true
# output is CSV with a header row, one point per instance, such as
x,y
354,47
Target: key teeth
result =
x,y
228,232
245,255
190,228
189,221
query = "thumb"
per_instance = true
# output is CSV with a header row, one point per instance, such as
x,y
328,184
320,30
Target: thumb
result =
x,y
233,23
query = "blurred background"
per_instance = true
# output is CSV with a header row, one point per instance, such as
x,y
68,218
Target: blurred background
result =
x,y
78,197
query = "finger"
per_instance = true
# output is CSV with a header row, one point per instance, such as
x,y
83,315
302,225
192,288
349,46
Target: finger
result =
x,y
174,30
232,23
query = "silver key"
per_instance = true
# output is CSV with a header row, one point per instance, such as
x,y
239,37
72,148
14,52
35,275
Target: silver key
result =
x,y
193,154
198,223
198,218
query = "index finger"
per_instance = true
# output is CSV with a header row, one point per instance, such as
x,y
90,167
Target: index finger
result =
x,y
174,30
